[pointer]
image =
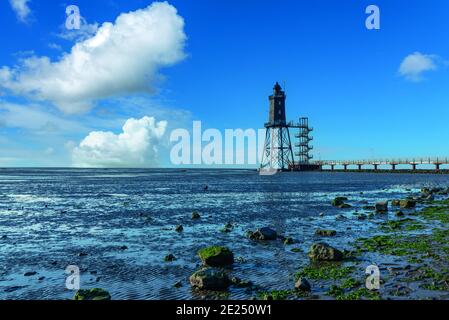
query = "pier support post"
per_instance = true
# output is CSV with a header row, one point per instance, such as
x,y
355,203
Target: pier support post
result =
x,y
360,167
414,166
345,166
393,166
437,166
375,167
332,167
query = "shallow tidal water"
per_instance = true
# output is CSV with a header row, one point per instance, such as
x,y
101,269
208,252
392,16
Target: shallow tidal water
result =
x,y
52,218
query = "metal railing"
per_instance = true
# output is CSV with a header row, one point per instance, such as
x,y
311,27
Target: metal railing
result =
x,y
399,161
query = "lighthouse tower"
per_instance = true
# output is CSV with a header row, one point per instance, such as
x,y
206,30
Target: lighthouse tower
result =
x,y
278,152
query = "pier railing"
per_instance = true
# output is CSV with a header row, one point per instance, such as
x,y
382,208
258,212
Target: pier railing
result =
x,y
436,161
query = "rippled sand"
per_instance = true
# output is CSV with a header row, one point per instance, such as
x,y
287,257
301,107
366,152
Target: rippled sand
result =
x,y
51,216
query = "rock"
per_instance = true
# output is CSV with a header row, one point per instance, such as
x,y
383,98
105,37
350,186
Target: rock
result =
x,y
408,204
241,283
92,294
263,234
41,278
369,208
169,258
382,207
4,237
338,201
321,214
228,227
288,241
399,214
324,252
362,217
303,285
430,197
178,284
30,273
325,233
344,206
195,215
123,248
179,228
395,203
240,260
82,254
216,256
340,217
210,279
436,190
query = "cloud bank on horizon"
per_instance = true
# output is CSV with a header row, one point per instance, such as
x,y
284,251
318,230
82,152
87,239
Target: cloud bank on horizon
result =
x,y
136,146
122,58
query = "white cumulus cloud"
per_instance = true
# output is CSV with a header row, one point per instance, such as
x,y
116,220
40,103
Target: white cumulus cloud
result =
x,y
136,146
85,31
414,65
120,59
21,9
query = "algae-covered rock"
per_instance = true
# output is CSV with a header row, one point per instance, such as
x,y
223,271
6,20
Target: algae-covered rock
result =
x,y
228,227
263,234
169,258
324,252
195,215
210,279
216,256
395,203
303,285
408,204
179,228
288,241
382,206
338,201
399,214
92,294
325,233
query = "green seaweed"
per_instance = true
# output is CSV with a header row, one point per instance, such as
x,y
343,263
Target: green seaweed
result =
x,y
327,271
395,245
440,213
339,293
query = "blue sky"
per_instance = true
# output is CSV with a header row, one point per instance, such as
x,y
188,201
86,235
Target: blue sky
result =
x,y
218,67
